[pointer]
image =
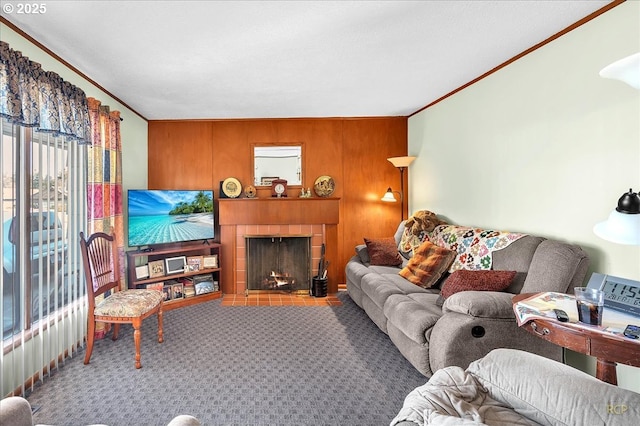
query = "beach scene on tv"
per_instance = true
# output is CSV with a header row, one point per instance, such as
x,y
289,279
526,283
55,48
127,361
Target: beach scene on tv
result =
x,y
163,216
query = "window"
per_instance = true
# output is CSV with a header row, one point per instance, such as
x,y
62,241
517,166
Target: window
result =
x,y
43,209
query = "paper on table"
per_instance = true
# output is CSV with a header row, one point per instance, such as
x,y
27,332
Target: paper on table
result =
x,y
542,305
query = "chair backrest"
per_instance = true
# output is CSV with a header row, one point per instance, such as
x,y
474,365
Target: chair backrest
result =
x,y
100,261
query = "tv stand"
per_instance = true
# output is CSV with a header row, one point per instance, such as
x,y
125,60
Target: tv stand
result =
x,y
141,257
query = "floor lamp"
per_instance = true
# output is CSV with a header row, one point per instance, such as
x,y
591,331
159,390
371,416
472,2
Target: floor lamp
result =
x,y
401,163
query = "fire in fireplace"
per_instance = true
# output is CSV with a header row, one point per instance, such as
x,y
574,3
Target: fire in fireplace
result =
x,y
278,263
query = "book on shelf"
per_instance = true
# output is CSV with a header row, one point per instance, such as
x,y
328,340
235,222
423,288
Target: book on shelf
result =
x,y
189,291
154,286
203,283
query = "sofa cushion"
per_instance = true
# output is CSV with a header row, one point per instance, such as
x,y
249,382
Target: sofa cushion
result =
x,y
363,254
378,289
463,280
556,266
383,251
517,257
355,270
413,314
428,264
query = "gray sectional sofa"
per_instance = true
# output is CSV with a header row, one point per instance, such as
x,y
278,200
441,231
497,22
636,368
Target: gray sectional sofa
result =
x,y
469,324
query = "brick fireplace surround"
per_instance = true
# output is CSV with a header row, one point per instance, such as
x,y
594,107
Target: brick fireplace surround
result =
x,y
240,217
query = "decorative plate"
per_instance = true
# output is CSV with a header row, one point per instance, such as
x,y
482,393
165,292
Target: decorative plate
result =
x,y
231,187
250,191
324,186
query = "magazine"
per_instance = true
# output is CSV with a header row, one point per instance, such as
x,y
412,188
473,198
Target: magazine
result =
x,y
541,306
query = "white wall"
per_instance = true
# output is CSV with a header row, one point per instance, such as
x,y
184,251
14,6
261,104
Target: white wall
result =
x,y
543,146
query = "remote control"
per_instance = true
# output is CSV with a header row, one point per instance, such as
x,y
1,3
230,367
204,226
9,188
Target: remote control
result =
x,y
632,331
561,315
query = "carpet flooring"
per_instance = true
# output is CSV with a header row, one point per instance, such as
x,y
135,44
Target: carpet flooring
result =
x,y
237,365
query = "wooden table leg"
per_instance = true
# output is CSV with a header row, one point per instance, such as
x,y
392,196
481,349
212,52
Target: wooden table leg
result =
x,y
606,371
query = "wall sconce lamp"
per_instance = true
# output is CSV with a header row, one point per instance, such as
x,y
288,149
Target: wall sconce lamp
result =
x,y
389,197
623,224
626,70
401,163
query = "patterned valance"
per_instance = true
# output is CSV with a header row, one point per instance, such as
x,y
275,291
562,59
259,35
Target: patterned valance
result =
x,y
32,97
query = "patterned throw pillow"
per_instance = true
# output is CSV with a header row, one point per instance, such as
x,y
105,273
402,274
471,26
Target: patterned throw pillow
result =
x,y
427,265
465,280
383,251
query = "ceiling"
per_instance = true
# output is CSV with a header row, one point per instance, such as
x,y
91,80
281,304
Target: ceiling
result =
x,y
282,59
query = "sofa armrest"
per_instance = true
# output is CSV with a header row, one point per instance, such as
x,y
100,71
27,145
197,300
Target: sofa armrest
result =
x,y
555,393
16,411
474,323
481,304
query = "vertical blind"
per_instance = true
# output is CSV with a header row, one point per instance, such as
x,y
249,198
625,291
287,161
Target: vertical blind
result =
x,y
44,124
42,289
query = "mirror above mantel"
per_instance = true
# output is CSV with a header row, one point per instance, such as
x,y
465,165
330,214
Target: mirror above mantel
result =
x,y
277,161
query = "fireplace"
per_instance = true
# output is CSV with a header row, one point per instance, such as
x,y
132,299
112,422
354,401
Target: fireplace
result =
x,y
278,263
240,217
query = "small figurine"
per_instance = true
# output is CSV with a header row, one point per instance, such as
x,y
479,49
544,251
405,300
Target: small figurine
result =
x,y
305,194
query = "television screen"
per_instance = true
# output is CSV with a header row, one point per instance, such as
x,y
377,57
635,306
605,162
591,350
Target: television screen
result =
x,y
166,216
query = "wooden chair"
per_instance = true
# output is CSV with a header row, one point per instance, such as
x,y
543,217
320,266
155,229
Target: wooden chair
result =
x,y
100,259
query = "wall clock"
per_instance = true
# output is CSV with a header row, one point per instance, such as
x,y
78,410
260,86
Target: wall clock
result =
x,y
620,294
279,188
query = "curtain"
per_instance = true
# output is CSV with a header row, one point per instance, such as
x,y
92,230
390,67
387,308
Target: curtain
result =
x,y
104,181
32,97
44,129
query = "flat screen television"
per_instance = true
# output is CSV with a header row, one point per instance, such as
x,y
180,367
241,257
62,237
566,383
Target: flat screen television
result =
x,y
168,216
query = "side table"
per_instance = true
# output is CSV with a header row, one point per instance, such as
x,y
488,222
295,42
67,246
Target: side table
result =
x,y
609,349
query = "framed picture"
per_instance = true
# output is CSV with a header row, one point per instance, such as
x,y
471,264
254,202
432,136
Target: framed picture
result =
x,y
175,264
210,261
266,180
142,272
156,268
166,292
177,292
194,263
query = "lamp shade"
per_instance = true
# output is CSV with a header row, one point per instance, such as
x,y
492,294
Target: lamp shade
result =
x,y
620,228
626,70
401,161
388,196
623,224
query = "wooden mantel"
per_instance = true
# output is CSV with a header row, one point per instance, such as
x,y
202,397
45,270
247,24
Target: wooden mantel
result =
x,y
279,211
276,211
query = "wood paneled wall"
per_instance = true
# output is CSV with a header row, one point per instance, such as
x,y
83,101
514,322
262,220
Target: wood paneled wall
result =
x,y
198,154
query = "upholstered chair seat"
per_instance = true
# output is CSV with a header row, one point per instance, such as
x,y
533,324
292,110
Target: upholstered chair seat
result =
x,y
128,303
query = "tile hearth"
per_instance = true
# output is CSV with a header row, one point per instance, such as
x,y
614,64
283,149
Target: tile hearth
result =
x,y
278,299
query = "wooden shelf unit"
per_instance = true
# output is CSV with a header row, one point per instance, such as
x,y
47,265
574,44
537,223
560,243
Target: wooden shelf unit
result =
x,y
133,256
